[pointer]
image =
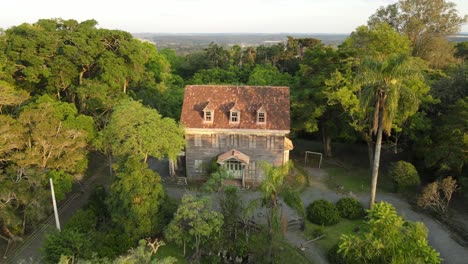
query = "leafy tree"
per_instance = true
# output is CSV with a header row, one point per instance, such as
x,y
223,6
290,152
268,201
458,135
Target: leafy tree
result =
x,y
310,111
426,23
194,223
387,238
143,254
217,55
135,199
378,41
448,150
11,96
267,74
216,76
271,188
50,141
136,130
69,242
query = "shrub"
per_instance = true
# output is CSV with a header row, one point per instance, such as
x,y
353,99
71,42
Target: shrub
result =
x,y
437,195
82,221
323,212
334,257
404,175
350,208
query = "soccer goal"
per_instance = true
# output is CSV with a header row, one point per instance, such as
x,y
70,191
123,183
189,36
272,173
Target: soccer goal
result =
x,y
312,158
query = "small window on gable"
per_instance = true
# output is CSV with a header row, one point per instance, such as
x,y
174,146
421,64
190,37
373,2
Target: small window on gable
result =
x,y
208,116
208,113
234,115
261,116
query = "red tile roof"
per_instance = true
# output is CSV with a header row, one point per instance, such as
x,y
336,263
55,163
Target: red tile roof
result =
x,y
247,99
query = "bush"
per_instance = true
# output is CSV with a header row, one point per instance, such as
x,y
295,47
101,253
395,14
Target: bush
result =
x,y
350,208
68,243
404,175
334,257
323,212
82,221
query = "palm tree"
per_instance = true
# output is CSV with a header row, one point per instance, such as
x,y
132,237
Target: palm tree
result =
x,y
386,95
272,188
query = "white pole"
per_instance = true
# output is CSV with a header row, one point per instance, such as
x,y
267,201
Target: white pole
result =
x,y
57,222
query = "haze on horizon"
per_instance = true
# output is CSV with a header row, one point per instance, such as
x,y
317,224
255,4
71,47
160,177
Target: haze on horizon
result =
x,y
206,16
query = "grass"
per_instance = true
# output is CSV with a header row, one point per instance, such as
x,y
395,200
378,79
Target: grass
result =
x,y
172,250
290,254
357,180
332,233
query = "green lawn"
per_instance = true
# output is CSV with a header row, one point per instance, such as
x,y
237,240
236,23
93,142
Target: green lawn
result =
x,y
290,254
357,180
172,250
332,233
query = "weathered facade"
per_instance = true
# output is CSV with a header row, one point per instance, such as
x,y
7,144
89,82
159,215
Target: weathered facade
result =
x,y
238,127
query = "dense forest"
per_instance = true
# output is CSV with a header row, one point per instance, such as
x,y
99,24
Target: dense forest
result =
x,y
69,88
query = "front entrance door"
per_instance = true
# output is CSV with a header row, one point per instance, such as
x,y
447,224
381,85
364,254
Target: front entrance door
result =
x,y
235,169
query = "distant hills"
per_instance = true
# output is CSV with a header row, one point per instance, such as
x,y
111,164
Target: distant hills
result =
x,y
184,43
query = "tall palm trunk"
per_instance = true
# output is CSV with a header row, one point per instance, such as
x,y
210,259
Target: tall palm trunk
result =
x,y
375,166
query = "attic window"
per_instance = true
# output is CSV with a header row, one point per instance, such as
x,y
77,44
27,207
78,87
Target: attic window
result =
x,y
234,118
208,117
261,116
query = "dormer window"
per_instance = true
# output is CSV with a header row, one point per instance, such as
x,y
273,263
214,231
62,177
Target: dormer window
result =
x,y
261,116
208,116
234,115
208,113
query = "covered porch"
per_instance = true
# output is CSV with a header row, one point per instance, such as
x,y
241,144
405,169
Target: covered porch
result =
x,y
236,163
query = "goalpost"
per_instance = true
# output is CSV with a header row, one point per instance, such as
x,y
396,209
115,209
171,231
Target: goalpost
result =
x,y
307,153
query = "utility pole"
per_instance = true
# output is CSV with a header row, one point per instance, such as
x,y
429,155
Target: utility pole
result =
x,y
57,222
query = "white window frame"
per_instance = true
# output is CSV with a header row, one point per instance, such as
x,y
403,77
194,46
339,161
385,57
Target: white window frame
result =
x,y
206,114
198,166
264,117
237,117
234,140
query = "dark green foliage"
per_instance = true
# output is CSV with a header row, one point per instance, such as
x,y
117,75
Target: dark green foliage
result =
x,y
167,210
62,183
293,199
333,256
350,208
387,238
82,221
68,243
135,199
404,175
97,203
323,212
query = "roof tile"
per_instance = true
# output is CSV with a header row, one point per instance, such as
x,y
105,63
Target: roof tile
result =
x,y
247,99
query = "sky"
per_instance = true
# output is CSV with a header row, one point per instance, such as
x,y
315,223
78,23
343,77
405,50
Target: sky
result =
x,y
205,16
